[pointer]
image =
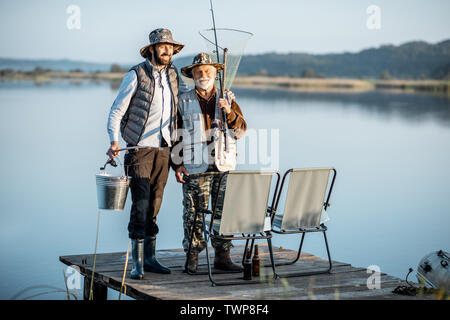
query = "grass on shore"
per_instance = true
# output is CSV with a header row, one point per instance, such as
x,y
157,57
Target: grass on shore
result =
x,y
298,84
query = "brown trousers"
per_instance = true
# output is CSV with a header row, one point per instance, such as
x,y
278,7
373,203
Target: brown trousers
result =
x,y
148,169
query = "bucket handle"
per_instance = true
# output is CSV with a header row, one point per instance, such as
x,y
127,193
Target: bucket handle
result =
x,y
113,163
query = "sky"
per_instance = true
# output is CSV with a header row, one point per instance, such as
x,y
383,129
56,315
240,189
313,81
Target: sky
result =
x,y
114,31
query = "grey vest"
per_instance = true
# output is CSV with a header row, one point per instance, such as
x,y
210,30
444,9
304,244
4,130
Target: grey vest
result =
x,y
133,122
194,144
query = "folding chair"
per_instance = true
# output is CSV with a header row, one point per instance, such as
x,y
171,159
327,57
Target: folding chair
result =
x,y
244,214
303,208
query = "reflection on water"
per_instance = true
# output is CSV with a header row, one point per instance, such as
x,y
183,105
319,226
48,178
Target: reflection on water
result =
x,y
407,106
390,206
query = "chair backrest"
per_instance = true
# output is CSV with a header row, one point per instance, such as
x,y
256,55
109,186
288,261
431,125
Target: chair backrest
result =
x,y
245,202
305,198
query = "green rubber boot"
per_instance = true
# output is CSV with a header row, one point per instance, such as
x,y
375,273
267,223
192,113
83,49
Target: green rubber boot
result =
x,y
150,262
137,253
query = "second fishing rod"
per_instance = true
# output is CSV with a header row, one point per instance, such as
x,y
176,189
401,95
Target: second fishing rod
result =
x,y
221,76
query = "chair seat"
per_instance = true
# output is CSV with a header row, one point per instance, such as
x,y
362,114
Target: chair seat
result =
x,y
216,224
278,220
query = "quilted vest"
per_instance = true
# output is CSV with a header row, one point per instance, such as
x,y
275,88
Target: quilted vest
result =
x,y
133,122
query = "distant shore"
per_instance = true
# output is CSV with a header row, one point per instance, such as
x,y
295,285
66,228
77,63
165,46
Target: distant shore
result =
x,y
342,84
260,82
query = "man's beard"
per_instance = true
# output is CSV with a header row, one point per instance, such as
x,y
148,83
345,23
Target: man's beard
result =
x,y
159,61
204,83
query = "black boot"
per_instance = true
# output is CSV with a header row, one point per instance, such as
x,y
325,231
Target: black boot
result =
x,y
150,262
137,253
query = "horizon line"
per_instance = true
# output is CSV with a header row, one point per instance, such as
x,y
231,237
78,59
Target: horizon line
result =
x,y
249,54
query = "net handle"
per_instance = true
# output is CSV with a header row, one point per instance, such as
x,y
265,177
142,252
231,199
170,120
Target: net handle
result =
x,y
222,29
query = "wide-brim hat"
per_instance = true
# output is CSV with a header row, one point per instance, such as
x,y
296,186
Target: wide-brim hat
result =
x,y
202,59
161,36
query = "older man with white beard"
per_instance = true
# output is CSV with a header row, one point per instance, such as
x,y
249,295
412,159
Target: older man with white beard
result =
x,y
204,155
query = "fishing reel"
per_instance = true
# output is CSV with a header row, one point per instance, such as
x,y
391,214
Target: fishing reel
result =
x,y
111,162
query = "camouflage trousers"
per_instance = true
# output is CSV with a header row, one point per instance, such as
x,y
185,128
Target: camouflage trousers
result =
x,y
196,195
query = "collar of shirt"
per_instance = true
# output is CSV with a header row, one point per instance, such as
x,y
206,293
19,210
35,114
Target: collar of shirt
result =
x,y
200,97
155,71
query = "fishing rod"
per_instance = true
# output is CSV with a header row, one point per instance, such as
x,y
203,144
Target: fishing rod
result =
x,y
113,162
225,52
217,45
221,79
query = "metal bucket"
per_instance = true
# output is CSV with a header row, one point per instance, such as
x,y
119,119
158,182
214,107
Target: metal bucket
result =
x,y
111,191
434,270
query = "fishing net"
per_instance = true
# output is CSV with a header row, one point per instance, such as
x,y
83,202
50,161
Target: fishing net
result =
x,y
234,41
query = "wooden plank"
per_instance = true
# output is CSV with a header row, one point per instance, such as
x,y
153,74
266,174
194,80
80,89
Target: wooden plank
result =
x,y
178,263
174,260
344,282
321,286
172,255
178,276
199,282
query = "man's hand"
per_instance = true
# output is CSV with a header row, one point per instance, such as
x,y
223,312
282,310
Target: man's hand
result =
x,y
230,95
113,150
179,174
224,105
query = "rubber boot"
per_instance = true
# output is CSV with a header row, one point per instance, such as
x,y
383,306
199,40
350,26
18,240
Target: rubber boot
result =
x,y
137,253
222,261
192,262
150,262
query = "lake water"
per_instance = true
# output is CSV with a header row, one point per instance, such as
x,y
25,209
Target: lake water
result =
x,y
390,205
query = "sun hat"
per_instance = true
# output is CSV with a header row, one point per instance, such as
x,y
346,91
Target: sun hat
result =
x,y
161,35
202,59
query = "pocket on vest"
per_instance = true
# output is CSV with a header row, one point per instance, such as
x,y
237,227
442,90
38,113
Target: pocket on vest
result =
x,y
188,123
193,154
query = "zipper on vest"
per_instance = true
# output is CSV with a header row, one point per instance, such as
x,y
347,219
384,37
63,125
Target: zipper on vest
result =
x,y
148,111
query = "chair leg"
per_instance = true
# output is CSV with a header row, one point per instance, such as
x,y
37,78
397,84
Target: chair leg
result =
x,y
272,262
205,234
213,283
298,274
298,253
245,250
328,252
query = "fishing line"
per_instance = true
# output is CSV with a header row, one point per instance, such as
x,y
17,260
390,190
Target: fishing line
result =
x,y
95,257
124,272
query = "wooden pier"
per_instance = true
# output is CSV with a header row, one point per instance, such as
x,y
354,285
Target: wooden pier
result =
x,y
344,282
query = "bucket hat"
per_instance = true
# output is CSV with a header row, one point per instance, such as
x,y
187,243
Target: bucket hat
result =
x,y
202,59
161,35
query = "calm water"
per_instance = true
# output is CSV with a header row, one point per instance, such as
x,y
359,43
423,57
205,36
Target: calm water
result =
x,y
390,207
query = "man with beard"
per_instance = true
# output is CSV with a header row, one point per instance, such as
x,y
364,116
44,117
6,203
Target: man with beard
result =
x,y
204,156
145,112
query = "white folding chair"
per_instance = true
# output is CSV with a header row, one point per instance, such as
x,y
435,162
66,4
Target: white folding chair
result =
x,y
244,213
303,212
